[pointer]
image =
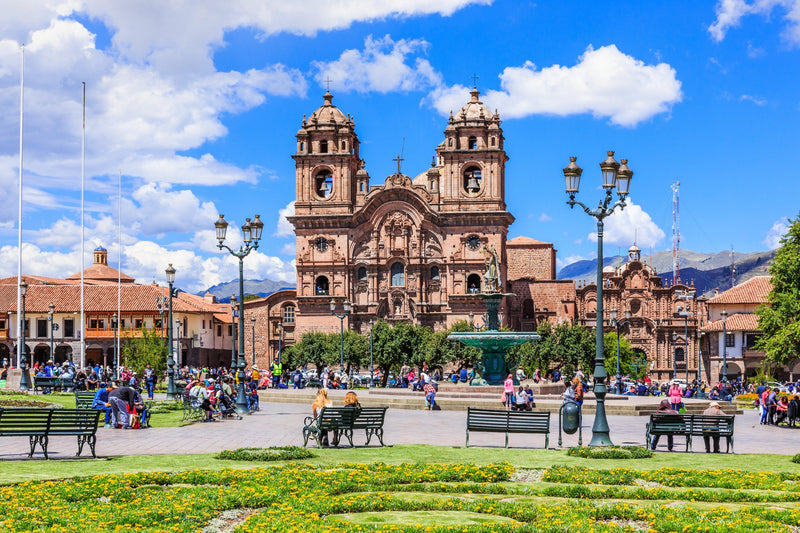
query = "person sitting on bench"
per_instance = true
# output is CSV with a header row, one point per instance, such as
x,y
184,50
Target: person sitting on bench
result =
x,y
666,407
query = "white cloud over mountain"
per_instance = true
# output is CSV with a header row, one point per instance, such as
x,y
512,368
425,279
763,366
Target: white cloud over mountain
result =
x,y
632,224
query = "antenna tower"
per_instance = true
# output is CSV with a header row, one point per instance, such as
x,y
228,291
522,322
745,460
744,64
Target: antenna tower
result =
x,y
733,269
676,232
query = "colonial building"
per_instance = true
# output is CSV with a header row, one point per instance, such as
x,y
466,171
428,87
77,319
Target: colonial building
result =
x,y
664,320
52,317
738,305
404,249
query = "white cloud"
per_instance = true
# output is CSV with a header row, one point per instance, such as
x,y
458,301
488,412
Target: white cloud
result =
x,y
605,82
561,263
382,66
730,14
156,209
284,227
631,224
755,99
544,217
776,232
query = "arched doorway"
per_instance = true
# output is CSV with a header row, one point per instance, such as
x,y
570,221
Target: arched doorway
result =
x,y
473,284
41,354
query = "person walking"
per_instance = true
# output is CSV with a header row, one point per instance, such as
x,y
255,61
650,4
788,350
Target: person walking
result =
x,y
430,395
508,392
149,380
675,394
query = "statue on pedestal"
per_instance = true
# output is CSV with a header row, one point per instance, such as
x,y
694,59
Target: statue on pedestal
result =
x,y
491,280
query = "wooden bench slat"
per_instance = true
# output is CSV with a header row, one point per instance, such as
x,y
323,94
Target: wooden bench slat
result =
x,y
500,421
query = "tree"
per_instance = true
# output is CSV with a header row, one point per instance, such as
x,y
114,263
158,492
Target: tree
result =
x,y
137,352
356,350
626,355
440,350
314,348
779,316
566,346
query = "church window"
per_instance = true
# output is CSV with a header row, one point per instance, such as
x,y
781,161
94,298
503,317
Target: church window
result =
x,y
323,147
288,314
398,275
474,284
321,286
362,274
679,354
493,141
434,272
362,186
321,244
472,179
472,143
324,184
450,142
344,146
302,147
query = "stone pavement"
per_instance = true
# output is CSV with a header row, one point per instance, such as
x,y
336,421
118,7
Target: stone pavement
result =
x,y
280,424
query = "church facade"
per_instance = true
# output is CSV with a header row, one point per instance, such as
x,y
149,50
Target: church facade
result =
x,y
405,248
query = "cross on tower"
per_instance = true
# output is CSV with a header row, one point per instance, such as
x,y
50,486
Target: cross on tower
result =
x,y
475,78
398,159
328,82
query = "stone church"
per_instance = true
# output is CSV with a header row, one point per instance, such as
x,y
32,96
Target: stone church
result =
x,y
412,248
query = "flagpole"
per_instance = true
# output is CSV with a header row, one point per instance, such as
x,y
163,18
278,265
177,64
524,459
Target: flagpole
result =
x,y
21,326
117,345
83,228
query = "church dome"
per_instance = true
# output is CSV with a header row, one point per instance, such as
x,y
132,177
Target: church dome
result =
x,y
328,113
474,109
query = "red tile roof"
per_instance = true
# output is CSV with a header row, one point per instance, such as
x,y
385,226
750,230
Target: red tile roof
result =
x,y
753,291
100,272
100,298
735,322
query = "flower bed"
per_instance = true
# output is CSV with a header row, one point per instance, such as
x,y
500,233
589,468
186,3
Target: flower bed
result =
x,y
352,497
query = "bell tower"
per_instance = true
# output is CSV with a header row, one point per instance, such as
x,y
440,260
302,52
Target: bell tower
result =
x,y
327,162
472,159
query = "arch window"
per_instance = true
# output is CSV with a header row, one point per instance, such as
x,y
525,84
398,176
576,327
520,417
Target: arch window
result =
x,y
321,286
493,141
323,184
474,284
344,146
679,355
288,314
398,275
434,272
472,179
302,147
450,142
362,274
472,143
323,147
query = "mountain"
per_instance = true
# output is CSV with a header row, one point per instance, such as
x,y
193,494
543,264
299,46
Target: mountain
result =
x,y
708,271
261,288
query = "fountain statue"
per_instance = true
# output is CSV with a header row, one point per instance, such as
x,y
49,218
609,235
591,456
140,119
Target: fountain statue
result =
x,y
492,342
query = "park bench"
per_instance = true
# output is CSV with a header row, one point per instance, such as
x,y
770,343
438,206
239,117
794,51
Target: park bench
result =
x,y
339,419
713,426
51,383
314,383
496,421
690,425
371,420
190,410
669,424
84,399
40,424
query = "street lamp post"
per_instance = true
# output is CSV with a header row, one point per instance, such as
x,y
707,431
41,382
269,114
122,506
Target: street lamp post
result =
x,y
724,315
116,354
253,338
50,313
233,334
700,365
674,356
341,318
251,233
371,325
619,176
617,325
25,378
171,390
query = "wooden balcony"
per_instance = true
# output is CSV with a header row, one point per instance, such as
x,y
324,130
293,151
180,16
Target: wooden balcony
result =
x,y
4,335
108,333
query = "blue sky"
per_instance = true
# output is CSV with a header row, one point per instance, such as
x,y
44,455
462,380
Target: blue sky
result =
x,y
197,104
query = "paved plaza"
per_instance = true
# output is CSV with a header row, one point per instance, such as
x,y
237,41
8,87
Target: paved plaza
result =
x,y
280,424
